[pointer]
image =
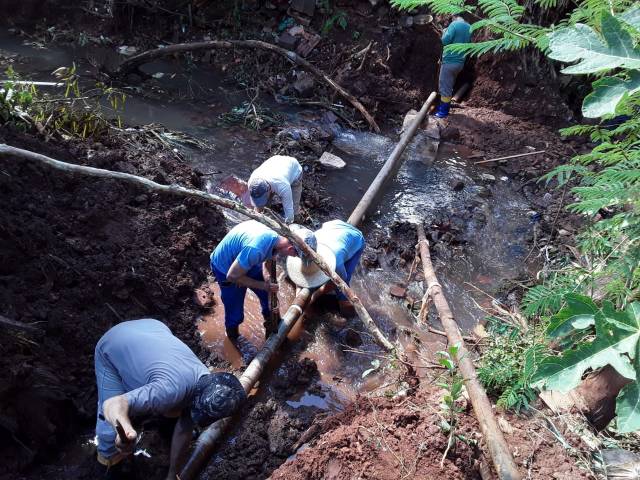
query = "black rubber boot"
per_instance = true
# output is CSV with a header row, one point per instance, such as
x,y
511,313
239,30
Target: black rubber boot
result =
x,y
233,333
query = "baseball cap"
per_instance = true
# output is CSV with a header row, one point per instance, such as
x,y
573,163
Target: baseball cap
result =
x,y
216,396
259,190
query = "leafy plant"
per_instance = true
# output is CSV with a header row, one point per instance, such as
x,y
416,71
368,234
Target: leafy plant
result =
x,y
75,113
599,336
450,401
338,18
508,363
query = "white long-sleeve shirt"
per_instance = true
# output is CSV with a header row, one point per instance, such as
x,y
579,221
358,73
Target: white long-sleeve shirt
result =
x,y
280,171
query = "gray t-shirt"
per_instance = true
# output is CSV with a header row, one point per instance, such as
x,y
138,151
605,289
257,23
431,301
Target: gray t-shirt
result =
x,y
158,371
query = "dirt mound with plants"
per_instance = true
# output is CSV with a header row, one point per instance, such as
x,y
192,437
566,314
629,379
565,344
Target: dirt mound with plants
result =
x,y
78,255
406,437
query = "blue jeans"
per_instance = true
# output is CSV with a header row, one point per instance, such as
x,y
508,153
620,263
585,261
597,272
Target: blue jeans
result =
x,y
109,385
233,296
347,272
447,80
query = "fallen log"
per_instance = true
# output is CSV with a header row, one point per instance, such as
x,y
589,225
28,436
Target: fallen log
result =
x,y
7,151
492,435
390,166
145,57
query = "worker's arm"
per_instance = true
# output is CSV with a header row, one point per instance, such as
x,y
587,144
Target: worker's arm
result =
x,y
116,409
238,275
448,35
283,190
179,444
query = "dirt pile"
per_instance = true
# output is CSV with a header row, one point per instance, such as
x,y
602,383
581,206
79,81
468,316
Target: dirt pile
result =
x,y
79,255
385,438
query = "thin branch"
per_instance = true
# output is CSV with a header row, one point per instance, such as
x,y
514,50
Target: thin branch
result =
x,y
144,57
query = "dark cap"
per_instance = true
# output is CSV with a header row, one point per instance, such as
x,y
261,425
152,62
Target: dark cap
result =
x,y
259,191
217,395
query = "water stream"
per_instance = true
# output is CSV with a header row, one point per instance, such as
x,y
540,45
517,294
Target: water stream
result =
x,y
491,218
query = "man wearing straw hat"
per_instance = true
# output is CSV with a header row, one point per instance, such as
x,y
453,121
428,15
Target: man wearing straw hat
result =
x,y
279,176
237,262
340,244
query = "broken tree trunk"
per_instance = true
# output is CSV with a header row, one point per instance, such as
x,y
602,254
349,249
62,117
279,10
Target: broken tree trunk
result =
x,y
144,57
498,449
390,166
7,151
206,443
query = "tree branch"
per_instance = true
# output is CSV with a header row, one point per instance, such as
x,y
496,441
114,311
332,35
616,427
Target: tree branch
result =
x,y
145,57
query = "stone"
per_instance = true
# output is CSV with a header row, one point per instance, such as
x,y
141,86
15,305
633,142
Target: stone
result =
x,y
304,85
287,41
487,177
307,7
456,184
332,161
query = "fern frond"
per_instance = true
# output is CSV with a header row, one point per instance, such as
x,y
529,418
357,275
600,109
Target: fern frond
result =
x,y
541,299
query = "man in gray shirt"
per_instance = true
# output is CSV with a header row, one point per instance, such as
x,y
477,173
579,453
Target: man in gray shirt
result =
x,y
142,369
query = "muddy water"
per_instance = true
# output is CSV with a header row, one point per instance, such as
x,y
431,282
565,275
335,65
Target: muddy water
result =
x,y
494,232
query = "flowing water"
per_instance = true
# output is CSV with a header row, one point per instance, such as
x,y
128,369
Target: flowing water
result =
x,y
491,219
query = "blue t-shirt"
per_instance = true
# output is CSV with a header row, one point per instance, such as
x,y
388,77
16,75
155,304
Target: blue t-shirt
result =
x,y
458,31
251,243
343,239
157,370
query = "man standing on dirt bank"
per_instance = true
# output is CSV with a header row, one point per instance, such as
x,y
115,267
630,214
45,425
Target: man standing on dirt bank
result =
x,y
347,244
458,31
142,369
281,176
237,265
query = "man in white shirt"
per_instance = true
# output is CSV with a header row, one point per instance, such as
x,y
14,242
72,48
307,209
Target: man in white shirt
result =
x,y
280,176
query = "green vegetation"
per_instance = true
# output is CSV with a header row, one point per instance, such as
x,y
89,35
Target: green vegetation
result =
x,y
509,362
588,307
73,113
450,406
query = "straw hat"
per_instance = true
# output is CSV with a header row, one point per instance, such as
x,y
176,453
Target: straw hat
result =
x,y
310,276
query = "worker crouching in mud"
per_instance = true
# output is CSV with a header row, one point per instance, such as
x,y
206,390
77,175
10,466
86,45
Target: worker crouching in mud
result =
x,y
237,264
142,369
340,244
279,176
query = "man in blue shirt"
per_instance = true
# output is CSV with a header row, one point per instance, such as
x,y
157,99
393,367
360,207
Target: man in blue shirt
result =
x,y
347,244
142,369
237,262
458,31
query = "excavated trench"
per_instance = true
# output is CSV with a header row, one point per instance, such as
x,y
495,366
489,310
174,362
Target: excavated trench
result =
x,y
479,242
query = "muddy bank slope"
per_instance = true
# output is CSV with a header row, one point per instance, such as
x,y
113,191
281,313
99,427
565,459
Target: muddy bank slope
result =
x,y
406,437
78,255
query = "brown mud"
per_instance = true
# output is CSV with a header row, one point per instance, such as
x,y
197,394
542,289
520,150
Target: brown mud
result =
x,y
388,439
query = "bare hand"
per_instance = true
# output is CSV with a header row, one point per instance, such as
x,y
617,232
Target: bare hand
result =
x,y
271,287
116,411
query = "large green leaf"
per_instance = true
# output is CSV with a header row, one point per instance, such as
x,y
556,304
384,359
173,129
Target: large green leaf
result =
x,y
631,17
628,402
607,93
578,313
580,43
617,336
